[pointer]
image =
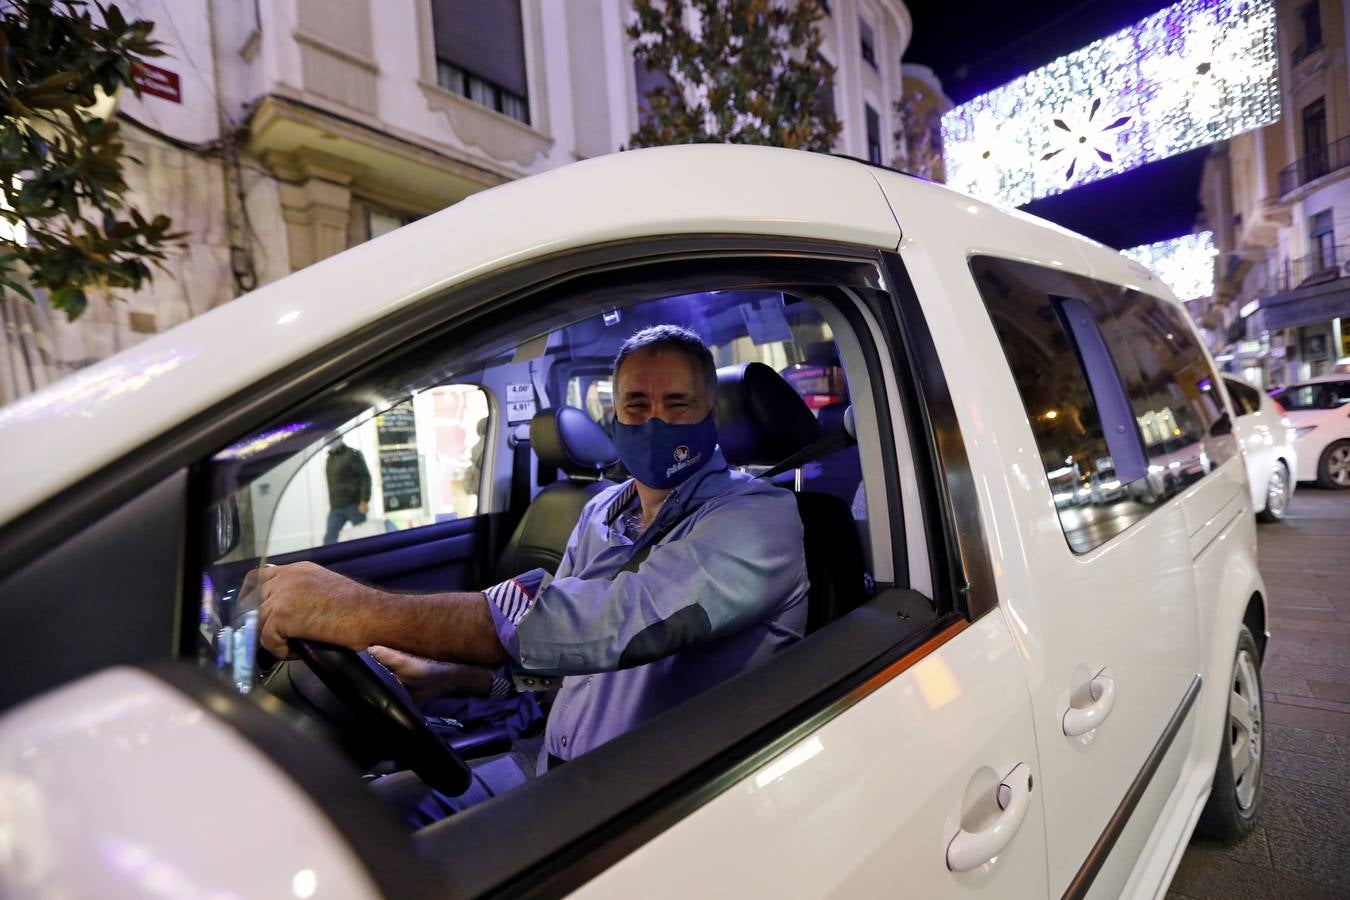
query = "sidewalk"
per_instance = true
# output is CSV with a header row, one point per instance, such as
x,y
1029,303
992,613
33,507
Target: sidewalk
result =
x,y
1301,845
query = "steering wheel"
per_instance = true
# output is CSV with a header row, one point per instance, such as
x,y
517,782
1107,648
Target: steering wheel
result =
x,y
376,696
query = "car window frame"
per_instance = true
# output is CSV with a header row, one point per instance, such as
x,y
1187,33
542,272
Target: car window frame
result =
x,y
1092,290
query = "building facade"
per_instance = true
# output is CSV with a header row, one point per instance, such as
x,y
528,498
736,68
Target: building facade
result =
x,y
279,132
1278,202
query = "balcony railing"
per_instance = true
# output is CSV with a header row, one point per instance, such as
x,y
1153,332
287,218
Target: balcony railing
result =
x,y
1322,161
1304,49
1315,268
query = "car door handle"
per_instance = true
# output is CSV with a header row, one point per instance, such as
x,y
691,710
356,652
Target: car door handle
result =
x,y
1080,721
972,849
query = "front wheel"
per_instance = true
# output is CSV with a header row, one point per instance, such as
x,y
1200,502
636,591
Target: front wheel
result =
x,y
1333,470
1235,798
1277,495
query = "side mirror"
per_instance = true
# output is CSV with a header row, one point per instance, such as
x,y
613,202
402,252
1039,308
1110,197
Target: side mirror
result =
x,y
222,528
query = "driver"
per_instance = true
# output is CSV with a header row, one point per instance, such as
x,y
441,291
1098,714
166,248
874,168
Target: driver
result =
x,y
671,582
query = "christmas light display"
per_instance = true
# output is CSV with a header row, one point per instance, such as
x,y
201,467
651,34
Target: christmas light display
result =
x,y
1185,264
1195,73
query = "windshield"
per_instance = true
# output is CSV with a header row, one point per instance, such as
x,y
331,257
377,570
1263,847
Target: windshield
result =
x,y
1321,395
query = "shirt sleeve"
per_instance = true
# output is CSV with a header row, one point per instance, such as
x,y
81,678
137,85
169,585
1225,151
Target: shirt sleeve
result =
x,y
739,560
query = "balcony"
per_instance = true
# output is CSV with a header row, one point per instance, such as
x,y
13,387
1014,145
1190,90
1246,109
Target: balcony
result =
x,y
1322,161
1315,268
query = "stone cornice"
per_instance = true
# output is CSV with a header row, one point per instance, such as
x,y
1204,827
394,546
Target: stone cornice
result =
x,y
499,136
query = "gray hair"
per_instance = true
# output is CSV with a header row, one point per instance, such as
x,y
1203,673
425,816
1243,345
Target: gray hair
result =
x,y
660,338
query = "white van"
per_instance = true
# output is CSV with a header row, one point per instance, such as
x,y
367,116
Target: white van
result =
x,y
999,692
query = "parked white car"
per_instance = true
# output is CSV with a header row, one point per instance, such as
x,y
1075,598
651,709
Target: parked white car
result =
x,y
1266,436
1320,411
1003,696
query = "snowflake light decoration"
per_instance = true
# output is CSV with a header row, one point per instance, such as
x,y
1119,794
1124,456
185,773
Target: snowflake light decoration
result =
x,y
1083,142
1197,72
1185,264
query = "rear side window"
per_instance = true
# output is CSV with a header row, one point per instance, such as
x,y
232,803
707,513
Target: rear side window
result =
x,y
1325,395
1120,397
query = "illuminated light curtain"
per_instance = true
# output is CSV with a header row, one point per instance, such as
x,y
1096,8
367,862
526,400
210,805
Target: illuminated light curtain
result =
x,y
1197,72
1185,264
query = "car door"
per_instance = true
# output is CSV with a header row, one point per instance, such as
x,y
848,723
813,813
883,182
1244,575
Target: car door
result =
x,y
1255,436
1102,583
927,783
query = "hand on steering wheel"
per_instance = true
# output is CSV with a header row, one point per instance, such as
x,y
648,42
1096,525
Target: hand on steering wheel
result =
x,y
376,696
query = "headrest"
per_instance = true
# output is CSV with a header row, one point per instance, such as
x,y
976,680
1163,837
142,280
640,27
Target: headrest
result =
x,y
761,420
835,417
566,438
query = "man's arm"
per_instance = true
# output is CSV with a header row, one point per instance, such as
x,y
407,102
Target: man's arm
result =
x,y
736,565
306,600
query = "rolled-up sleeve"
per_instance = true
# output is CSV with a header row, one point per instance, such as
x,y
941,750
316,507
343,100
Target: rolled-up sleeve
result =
x,y
738,559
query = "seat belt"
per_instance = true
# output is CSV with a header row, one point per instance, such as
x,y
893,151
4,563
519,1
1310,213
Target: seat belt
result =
x,y
825,444
520,476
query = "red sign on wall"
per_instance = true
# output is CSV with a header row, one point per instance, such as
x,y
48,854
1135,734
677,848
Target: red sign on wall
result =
x,y
157,82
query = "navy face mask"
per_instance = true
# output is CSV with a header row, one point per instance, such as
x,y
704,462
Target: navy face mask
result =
x,y
661,455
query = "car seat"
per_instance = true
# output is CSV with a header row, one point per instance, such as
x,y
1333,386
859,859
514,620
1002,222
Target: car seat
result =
x,y
762,421
563,439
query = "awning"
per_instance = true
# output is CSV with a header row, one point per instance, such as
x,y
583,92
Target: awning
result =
x,y
1310,305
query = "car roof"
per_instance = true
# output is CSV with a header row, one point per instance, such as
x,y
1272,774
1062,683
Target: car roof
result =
x,y
85,421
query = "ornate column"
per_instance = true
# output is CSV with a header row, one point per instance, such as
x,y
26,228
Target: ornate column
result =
x,y
316,199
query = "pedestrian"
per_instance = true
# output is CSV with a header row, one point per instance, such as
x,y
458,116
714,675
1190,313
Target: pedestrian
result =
x,y
348,488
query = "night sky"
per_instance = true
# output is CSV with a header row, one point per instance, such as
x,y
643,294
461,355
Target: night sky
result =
x,y
978,45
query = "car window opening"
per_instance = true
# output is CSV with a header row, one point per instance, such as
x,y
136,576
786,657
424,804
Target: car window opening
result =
x,y
459,467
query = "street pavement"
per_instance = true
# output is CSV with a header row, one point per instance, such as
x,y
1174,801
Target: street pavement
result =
x,y
1301,845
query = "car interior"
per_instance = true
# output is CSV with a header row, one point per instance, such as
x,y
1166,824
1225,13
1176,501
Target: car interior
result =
x,y
480,456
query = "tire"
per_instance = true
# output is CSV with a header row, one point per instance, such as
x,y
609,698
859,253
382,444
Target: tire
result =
x,y
1277,494
1333,469
1235,802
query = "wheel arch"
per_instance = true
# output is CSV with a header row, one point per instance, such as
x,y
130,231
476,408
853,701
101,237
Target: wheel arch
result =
x,y
1255,618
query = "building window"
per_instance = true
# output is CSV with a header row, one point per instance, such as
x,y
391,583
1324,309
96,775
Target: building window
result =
x,y
1322,236
873,135
869,52
480,54
1315,139
1310,19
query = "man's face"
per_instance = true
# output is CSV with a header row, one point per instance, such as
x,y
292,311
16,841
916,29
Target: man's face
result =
x,y
661,384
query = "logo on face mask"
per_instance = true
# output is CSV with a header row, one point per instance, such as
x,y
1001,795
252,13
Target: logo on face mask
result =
x,y
683,460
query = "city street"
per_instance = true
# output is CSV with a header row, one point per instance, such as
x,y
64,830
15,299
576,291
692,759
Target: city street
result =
x,y
1301,845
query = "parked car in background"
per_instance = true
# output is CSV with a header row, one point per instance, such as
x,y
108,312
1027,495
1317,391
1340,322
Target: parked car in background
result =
x,y
1320,411
998,692
1266,437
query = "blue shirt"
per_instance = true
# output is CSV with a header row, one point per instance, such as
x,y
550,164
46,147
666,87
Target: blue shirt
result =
x,y
718,594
